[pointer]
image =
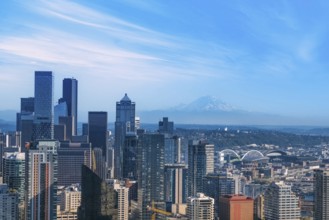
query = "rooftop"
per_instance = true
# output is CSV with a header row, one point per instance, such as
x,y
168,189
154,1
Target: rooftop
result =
x,y
125,98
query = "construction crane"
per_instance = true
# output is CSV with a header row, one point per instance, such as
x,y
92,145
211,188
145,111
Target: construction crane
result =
x,y
158,211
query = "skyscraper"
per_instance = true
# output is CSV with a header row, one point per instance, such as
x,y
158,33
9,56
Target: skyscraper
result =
x,y
236,207
200,207
41,181
98,199
13,176
13,172
27,105
166,126
150,173
124,122
129,155
200,163
123,201
175,182
43,126
281,203
321,194
172,149
71,156
70,200
8,203
24,120
27,109
70,96
98,134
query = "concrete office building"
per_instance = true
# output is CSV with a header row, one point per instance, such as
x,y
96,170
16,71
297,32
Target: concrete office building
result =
x,y
200,207
280,202
70,201
123,201
41,181
14,173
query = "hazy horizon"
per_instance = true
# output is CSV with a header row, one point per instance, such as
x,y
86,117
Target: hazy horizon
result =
x,y
266,57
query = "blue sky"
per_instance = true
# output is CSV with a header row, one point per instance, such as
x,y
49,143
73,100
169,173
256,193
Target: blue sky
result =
x,y
265,56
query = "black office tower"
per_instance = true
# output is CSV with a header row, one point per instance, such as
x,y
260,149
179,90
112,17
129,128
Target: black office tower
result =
x,y
124,123
70,96
43,123
98,134
98,199
150,172
200,163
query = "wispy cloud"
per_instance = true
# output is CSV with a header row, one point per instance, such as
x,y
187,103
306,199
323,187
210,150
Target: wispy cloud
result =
x,y
156,56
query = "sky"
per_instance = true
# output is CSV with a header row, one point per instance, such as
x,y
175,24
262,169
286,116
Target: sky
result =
x,y
264,56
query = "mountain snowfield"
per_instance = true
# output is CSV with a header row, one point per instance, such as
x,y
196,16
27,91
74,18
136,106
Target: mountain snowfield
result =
x,y
205,103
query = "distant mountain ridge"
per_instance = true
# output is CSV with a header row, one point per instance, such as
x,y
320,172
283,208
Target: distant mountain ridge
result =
x,y
206,110
205,103
8,115
211,110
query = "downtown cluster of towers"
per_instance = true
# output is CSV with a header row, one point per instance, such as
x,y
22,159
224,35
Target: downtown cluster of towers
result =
x,y
55,172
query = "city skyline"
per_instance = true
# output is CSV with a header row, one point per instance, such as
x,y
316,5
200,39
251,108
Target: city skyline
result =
x,y
270,58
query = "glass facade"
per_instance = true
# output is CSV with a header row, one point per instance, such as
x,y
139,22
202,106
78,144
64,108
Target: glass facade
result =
x,y
43,105
124,123
70,96
150,173
98,134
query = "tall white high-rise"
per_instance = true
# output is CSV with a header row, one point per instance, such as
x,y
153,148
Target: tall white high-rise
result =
x,y
41,181
200,207
280,202
123,201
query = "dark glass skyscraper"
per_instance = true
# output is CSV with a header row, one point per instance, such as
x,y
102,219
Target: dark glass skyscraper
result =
x,y
24,120
70,96
321,194
200,163
98,134
71,156
43,105
150,172
124,123
129,155
27,105
98,199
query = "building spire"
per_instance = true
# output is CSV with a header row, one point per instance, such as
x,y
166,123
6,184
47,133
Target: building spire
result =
x,y
125,98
